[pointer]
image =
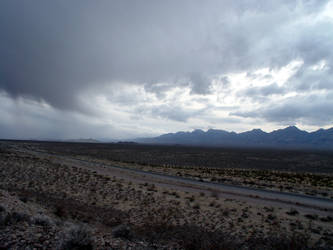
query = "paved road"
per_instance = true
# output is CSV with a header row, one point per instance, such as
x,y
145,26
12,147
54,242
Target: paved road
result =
x,y
175,181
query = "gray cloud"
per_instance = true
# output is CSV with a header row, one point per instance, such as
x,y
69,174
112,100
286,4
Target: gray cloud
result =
x,y
199,84
174,112
55,50
160,88
314,109
254,92
308,79
225,81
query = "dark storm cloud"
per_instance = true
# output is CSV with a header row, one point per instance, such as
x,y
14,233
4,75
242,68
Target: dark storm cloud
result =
x,y
55,50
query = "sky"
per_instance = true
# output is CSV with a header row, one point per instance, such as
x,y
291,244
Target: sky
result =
x,y
123,69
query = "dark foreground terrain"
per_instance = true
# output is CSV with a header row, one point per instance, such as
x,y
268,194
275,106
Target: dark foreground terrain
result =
x,y
102,196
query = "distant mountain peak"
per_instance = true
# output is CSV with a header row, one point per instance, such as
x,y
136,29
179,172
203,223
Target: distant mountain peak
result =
x,y
258,130
296,130
293,127
198,131
290,129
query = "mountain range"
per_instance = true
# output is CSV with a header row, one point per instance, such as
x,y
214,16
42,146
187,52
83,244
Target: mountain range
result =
x,y
290,137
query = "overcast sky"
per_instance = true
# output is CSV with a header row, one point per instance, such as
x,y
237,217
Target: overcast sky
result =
x,y
124,69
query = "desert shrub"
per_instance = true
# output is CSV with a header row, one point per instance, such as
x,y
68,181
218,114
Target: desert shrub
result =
x,y
42,220
23,199
191,198
121,231
226,212
151,187
77,237
269,209
292,211
17,217
212,204
196,206
214,194
59,211
326,219
2,209
175,194
311,216
4,218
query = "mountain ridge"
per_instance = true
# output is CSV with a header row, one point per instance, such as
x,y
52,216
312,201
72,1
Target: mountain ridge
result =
x,y
289,137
